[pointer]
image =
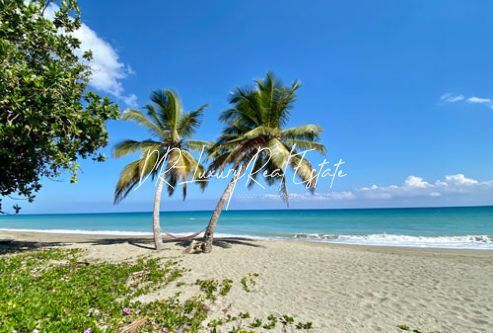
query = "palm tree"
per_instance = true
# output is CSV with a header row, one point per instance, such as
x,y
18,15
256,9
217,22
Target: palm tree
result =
x,y
166,156
17,208
255,134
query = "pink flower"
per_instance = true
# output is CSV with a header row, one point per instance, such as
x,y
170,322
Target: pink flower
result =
x,y
127,311
89,330
137,311
164,330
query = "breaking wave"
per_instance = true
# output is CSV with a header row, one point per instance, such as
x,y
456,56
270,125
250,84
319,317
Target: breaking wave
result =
x,y
458,242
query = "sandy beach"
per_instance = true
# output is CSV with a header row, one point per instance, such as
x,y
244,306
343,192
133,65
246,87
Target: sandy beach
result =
x,y
339,288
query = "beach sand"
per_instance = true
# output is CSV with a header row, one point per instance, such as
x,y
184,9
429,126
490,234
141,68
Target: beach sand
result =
x,y
339,288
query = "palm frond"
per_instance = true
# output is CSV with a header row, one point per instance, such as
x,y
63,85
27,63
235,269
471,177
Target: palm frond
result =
x,y
131,146
198,145
190,121
304,171
303,132
257,132
151,112
172,181
179,168
196,170
169,107
257,168
136,171
282,103
306,145
129,178
279,153
142,120
177,164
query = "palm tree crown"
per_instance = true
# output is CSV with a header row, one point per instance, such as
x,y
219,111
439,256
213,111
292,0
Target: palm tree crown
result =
x,y
171,129
256,123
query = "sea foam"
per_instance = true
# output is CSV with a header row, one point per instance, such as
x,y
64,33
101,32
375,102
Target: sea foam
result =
x,y
458,242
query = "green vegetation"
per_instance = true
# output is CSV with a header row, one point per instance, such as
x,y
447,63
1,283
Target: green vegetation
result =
x,y
255,130
406,327
212,288
47,118
304,326
256,323
55,290
287,320
248,281
52,291
226,286
168,157
271,322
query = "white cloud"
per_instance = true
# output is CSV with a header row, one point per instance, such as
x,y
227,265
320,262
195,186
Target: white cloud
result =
x,y
417,187
107,69
453,98
344,195
448,187
413,181
459,180
130,100
479,100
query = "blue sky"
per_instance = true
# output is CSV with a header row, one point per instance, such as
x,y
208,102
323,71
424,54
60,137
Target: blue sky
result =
x,y
401,88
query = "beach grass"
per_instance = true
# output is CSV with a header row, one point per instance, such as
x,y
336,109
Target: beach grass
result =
x,y
57,290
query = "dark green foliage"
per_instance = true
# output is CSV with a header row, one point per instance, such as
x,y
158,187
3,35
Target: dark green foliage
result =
x,y
47,118
16,208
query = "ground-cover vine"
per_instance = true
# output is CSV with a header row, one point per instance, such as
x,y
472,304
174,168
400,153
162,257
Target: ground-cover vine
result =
x,y
54,290
51,291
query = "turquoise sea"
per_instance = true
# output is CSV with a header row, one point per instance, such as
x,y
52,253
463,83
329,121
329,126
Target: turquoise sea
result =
x,y
470,227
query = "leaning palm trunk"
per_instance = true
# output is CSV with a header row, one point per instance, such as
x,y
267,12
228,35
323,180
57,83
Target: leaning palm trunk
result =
x,y
211,227
156,227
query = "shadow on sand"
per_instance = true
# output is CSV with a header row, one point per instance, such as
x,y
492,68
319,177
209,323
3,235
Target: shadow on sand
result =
x,y
10,246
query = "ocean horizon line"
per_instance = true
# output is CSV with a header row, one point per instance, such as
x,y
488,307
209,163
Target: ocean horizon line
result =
x,y
258,210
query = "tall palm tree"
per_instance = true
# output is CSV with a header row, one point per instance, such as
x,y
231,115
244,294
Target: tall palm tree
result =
x,y
166,156
255,134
